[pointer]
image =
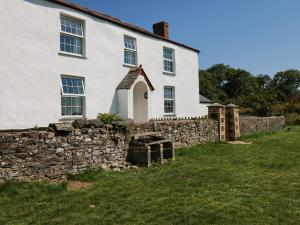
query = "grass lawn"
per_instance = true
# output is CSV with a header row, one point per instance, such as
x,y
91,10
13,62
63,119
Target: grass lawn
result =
x,y
207,184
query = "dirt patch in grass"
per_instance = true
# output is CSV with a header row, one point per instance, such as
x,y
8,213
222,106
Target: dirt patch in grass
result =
x,y
239,142
78,185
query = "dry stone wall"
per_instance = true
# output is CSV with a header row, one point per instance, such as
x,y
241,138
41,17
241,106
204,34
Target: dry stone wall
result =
x,y
35,155
183,132
252,125
66,149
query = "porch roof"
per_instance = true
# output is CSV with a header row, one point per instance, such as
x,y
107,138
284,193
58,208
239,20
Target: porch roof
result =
x,y
131,76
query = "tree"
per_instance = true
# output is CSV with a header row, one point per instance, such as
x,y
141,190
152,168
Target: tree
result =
x,y
287,84
210,86
264,95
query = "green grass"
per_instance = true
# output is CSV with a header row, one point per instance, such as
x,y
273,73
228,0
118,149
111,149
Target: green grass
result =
x,y
207,184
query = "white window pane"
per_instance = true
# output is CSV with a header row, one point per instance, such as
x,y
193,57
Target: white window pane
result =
x,y
68,101
129,43
68,81
81,90
63,111
65,89
168,66
169,100
130,57
72,106
63,101
70,90
168,53
72,85
76,90
169,106
68,111
71,26
168,93
70,44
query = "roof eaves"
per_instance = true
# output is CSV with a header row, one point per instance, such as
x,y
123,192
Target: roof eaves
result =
x,y
118,22
204,99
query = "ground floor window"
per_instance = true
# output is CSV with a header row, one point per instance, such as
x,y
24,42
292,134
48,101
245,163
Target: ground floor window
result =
x,y
72,96
169,100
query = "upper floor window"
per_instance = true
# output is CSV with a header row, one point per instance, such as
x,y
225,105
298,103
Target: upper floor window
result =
x,y
71,36
169,62
130,56
169,100
72,96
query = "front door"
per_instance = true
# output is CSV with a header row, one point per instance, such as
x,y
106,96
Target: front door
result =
x,y
140,102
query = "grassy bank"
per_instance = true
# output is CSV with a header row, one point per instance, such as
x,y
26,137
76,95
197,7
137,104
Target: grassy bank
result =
x,y
207,184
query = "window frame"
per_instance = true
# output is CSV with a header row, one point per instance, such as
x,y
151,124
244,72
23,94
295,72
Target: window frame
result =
x,y
170,99
62,94
82,37
130,50
169,60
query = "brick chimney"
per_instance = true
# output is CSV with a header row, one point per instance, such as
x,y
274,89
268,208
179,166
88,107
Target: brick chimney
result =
x,y
161,29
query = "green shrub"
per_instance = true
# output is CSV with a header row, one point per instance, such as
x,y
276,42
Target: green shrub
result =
x,y
108,118
292,119
245,110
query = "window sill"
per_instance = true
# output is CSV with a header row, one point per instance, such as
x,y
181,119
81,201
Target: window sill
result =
x,y
170,115
169,73
70,118
72,55
129,65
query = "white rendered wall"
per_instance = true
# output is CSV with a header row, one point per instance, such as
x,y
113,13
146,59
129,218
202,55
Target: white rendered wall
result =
x,y
203,109
30,66
123,103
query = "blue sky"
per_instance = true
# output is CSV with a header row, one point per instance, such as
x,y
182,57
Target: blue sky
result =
x,y
261,36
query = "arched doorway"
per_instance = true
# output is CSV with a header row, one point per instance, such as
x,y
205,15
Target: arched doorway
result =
x,y
140,102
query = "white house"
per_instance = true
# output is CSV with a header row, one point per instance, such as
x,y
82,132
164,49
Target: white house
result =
x,y
60,61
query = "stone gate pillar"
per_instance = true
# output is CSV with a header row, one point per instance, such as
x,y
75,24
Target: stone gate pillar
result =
x,y
216,111
232,122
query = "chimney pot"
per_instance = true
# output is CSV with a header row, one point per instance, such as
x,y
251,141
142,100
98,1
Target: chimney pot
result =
x,y
161,29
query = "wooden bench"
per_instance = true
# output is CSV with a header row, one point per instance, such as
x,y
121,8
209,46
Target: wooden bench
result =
x,y
145,153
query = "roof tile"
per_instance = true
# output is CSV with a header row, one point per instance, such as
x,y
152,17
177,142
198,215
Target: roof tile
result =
x,y
132,75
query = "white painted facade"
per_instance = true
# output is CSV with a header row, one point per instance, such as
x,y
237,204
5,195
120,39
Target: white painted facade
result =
x,y
31,68
204,108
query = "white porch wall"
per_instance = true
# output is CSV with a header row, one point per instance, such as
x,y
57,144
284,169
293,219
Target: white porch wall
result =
x,y
123,103
30,67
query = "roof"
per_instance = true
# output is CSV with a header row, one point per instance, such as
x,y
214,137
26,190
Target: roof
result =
x,y
203,99
132,75
118,22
